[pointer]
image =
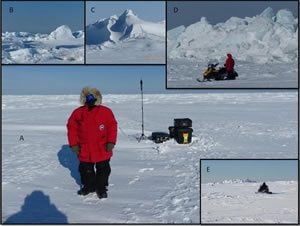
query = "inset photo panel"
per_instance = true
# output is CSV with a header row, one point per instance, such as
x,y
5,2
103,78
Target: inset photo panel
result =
x,y
42,32
232,44
249,191
125,32
58,121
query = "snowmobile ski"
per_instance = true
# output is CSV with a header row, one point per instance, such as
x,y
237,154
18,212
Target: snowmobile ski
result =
x,y
269,193
200,80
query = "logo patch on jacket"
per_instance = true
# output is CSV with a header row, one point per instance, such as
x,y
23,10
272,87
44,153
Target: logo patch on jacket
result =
x,y
101,127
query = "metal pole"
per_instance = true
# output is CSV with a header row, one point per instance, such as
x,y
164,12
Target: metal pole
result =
x,y
141,83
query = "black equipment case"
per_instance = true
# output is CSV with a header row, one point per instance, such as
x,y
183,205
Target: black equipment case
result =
x,y
159,137
171,131
183,135
182,122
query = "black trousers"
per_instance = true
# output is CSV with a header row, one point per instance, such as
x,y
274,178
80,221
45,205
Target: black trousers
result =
x,y
95,179
230,75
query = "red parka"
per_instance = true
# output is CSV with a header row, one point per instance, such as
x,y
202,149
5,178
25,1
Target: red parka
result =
x,y
229,64
91,130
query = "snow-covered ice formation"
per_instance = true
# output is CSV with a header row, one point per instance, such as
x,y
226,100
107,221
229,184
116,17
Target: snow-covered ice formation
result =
x,y
265,38
61,33
235,201
268,40
125,39
61,46
150,183
116,29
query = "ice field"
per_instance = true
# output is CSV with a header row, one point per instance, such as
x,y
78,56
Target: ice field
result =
x,y
150,183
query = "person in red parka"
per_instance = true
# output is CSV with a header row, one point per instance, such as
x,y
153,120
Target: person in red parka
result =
x,y
92,135
229,65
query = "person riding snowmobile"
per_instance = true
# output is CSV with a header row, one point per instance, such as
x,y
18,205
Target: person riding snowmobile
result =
x,y
229,66
222,73
264,189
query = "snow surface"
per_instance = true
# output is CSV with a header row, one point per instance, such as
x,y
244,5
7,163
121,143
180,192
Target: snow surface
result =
x,y
61,46
237,202
125,39
265,48
182,73
150,183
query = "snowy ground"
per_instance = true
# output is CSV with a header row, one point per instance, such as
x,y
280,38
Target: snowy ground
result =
x,y
182,73
238,203
150,183
60,47
135,51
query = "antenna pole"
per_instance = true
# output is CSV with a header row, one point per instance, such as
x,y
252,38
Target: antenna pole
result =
x,y
142,96
141,82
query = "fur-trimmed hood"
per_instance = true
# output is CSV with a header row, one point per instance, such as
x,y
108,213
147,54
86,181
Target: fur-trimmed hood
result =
x,y
229,55
89,90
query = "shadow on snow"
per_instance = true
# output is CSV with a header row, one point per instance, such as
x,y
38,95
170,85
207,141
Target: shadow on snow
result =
x,y
37,209
69,160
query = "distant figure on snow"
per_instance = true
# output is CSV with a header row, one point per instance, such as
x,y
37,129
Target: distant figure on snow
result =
x,y
229,66
92,135
264,189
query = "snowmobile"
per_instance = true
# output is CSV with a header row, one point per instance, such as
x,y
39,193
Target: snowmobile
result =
x,y
217,74
264,189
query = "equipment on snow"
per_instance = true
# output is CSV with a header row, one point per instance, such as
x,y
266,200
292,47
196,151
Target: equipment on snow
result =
x,y
171,131
182,122
183,135
160,137
181,131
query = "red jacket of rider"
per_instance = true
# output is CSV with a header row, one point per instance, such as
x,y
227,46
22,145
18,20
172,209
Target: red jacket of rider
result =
x,y
229,64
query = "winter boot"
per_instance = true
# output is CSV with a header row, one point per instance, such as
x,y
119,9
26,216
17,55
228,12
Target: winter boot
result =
x,y
102,195
85,191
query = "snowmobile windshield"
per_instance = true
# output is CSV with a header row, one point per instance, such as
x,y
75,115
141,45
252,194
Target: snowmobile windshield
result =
x,y
213,61
212,65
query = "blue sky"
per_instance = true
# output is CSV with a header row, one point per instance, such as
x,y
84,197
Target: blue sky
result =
x,y
42,17
258,170
219,11
152,10
28,80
